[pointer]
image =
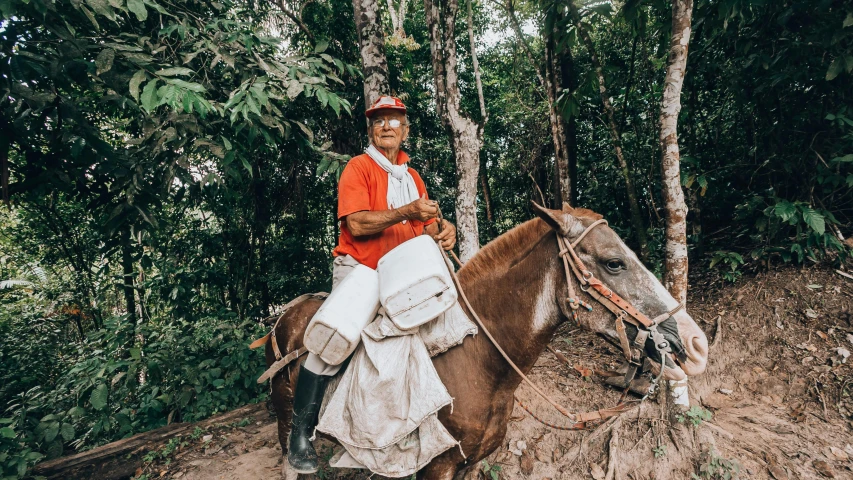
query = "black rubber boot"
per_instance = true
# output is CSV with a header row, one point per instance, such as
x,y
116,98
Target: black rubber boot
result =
x,y
306,406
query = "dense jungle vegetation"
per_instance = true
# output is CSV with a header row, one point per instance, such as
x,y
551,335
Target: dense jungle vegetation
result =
x,y
169,171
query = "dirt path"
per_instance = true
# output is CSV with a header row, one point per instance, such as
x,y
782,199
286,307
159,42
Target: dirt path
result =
x,y
776,386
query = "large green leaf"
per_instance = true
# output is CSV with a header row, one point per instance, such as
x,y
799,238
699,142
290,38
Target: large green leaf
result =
x,y
835,68
138,9
135,82
67,431
51,431
149,95
98,398
170,72
785,210
104,60
814,220
191,86
102,7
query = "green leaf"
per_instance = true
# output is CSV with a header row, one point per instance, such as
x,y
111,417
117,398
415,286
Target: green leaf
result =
x,y
102,7
191,86
323,96
77,411
835,68
321,46
104,60
335,103
135,81
98,398
848,20
138,9
247,166
170,72
7,432
814,220
845,159
253,105
51,432
323,166
785,210
149,95
308,133
67,432
135,353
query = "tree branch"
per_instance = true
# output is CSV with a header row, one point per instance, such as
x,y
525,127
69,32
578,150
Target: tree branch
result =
x,y
296,19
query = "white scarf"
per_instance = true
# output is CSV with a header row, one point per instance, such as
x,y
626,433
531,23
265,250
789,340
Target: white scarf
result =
x,y
401,186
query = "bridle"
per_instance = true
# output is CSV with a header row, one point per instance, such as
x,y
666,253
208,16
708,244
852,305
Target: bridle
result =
x,y
624,311
621,308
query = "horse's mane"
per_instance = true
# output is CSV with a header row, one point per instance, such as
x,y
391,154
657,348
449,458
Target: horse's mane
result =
x,y
507,245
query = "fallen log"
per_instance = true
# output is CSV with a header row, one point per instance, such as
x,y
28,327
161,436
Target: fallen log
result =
x,y
119,460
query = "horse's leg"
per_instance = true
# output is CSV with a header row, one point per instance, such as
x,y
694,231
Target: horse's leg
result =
x,y
439,469
281,393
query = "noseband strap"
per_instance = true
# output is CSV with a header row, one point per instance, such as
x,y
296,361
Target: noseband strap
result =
x,y
621,308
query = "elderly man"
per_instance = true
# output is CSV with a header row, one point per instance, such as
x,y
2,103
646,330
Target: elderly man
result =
x,y
382,202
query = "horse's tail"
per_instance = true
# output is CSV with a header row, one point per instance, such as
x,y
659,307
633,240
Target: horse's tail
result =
x,y
283,349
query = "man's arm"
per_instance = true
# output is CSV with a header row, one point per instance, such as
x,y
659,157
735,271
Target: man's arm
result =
x,y
368,222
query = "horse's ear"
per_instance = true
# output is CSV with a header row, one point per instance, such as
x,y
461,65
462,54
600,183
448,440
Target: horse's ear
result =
x,y
561,221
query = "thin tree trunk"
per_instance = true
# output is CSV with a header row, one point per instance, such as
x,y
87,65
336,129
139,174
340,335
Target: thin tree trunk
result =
x,y
466,135
553,85
487,192
128,284
371,42
483,113
615,135
675,278
550,83
570,83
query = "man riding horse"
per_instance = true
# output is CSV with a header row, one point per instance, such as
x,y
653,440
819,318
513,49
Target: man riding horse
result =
x,y
381,204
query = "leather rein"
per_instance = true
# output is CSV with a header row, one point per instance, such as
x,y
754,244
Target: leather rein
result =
x,y
621,308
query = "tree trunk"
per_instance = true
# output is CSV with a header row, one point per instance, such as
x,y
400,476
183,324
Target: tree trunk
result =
x,y
466,135
120,459
553,85
128,284
615,135
371,42
550,83
570,83
675,278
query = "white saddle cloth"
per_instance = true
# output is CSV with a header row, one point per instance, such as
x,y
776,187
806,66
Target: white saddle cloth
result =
x,y
384,406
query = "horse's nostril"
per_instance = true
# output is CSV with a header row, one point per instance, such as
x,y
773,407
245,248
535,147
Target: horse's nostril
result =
x,y
700,346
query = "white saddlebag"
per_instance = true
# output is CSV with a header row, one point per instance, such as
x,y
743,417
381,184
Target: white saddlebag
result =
x,y
414,283
335,330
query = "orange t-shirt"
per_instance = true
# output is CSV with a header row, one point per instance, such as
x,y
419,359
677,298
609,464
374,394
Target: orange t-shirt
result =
x,y
364,186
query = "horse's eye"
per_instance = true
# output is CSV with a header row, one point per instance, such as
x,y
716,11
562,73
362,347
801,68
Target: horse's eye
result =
x,y
615,265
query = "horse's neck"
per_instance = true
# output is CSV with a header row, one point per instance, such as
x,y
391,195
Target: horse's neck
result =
x,y
517,302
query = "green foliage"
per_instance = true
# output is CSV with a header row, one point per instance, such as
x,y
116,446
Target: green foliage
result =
x,y
695,416
791,230
490,471
659,451
728,264
715,467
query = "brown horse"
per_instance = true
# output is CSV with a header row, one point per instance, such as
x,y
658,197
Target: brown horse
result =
x,y
514,283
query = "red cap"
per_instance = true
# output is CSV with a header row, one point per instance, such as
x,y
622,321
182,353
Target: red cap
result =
x,y
386,102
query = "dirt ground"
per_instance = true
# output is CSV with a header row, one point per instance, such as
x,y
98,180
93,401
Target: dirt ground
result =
x,y
777,389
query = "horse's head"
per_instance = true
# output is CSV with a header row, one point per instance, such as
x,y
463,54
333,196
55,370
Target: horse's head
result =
x,y
609,260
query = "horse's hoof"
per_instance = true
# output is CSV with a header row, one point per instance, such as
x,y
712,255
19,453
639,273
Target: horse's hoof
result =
x,y
287,472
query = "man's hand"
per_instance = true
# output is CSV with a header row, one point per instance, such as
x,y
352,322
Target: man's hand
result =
x,y
446,238
421,209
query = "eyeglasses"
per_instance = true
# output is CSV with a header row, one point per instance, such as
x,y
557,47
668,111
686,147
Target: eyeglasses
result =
x,y
393,123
